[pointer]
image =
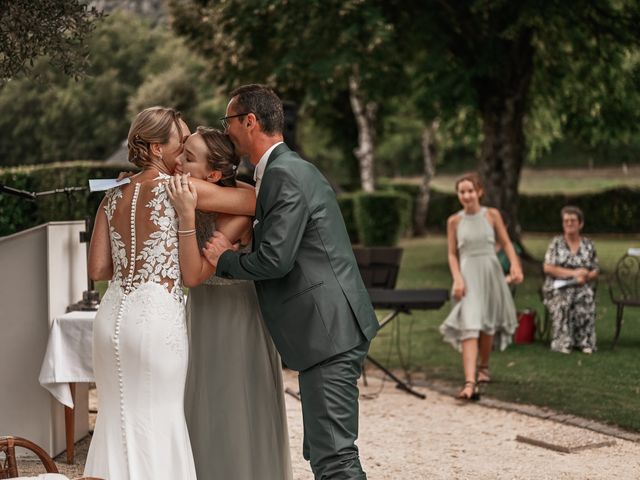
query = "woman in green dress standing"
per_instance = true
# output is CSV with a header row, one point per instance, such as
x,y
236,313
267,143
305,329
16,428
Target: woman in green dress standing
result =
x,y
484,315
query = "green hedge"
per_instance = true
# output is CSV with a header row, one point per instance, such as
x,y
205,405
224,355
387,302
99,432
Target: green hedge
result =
x,y
18,214
375,219
610,211
346,202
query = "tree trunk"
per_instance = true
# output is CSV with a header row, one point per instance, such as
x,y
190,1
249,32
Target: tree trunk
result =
x,y
365,115
503,103
429,153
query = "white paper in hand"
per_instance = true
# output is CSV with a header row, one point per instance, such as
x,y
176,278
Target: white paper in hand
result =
x,y
562,283
100,184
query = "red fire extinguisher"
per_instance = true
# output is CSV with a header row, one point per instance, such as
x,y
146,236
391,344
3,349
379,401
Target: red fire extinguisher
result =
x,y
526,330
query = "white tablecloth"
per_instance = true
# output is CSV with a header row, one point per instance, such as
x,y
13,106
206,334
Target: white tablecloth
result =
x,y
69,356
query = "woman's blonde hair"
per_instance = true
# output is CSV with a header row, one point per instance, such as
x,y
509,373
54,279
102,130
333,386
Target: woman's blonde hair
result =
x,y
475,180
152,125
221,155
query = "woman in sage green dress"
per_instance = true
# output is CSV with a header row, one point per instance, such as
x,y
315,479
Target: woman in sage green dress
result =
x,y
234,399
484,315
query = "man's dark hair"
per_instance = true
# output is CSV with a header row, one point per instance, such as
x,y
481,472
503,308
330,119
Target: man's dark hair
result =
x,y
264,104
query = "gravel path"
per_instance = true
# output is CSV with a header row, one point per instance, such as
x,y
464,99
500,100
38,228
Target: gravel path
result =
x,y
405,438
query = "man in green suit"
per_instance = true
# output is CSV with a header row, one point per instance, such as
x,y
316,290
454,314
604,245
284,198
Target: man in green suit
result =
x,y
311,294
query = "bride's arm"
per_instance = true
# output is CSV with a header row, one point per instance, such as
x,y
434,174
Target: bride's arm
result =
x,y
193,266
214,198
100,265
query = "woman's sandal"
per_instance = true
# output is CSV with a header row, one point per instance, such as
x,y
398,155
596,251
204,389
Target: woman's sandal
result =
x,y
483,374
469,394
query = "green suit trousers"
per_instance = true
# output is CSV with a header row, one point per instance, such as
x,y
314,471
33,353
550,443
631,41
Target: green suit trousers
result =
x,y
329,393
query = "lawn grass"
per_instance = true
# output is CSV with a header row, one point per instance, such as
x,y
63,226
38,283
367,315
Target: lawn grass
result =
x,y
604,386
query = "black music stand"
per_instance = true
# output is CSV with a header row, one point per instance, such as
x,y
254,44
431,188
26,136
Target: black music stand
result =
x,y
379,268
403,301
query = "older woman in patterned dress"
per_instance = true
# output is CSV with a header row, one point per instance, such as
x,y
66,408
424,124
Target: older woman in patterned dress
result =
x,y
572,259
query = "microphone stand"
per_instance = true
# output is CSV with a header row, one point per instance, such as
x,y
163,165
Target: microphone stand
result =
x,y
90,297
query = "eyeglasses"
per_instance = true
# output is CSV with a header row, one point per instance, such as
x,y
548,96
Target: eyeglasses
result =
x,y
225,120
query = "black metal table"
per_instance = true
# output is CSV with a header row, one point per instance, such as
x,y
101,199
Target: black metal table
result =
x,y
404,301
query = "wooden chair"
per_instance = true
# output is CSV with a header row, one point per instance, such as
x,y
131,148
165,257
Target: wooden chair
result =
x,y
624,288
9,466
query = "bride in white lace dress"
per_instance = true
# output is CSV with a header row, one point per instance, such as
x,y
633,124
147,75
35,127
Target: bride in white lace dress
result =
x,y
140,347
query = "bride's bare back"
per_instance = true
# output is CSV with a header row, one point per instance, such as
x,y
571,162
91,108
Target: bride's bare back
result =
x,y
142,230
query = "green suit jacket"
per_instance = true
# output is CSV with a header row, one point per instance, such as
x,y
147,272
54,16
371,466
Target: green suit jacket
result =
x,y
310,289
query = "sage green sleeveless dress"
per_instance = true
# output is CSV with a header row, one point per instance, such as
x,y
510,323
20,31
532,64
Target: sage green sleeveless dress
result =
x,y
234,398
487,305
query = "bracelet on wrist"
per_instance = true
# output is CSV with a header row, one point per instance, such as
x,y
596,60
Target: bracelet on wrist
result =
x,y
187,232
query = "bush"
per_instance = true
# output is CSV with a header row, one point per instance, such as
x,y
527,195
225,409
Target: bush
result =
x,y
609,211
381,217
18,214
346,202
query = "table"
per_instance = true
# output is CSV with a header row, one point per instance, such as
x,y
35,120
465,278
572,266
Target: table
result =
x,y
403,301
67,361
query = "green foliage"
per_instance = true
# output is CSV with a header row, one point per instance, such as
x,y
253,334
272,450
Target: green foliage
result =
x,y
249,40
30,29
381,217
346,202
609,211
133,66
614,210
174,75
17,214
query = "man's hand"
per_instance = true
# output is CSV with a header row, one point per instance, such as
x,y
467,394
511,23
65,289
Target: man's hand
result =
x,y
216,246
123,175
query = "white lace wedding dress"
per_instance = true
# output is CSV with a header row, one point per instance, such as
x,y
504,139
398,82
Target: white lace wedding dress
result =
x,y
140,347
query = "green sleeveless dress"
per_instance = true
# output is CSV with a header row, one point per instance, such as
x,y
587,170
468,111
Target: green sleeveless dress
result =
x,y
487,305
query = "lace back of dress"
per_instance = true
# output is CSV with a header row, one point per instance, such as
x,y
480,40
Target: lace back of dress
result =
x,y
143,233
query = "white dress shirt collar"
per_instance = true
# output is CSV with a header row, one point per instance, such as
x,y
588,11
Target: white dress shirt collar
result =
x,y
262,164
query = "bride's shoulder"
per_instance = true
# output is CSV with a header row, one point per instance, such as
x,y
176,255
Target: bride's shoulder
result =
x,y
156,184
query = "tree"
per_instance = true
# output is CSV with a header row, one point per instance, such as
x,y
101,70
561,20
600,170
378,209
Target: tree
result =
x,y
498,54
57,118
311,49
30,29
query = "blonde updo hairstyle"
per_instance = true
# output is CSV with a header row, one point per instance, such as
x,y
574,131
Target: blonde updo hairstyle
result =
x,y
221,155
475,180
152,125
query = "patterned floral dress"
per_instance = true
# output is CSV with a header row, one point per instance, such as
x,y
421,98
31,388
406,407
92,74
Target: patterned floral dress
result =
x,y
572,308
